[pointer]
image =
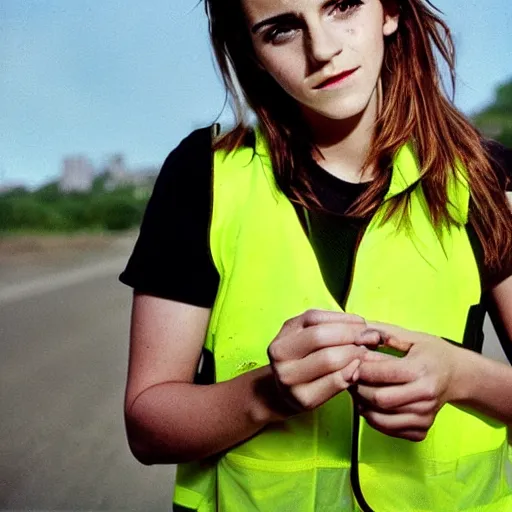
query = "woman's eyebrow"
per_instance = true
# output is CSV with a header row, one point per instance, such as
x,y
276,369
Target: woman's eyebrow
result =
x,y
287,17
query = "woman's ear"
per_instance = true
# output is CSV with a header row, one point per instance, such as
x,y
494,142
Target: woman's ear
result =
x,y
391,18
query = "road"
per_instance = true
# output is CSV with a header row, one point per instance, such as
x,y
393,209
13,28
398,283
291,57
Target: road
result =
x,y
64,346
64,349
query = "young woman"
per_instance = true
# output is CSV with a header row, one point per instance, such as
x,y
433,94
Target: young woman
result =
x,y
332,266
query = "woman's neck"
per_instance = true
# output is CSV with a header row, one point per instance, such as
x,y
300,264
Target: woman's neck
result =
x,y
344,144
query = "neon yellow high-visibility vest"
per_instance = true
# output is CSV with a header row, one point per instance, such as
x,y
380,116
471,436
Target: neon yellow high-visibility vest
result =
x,y
418,279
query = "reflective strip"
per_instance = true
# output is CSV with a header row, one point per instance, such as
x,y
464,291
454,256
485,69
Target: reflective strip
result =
x,y
187,497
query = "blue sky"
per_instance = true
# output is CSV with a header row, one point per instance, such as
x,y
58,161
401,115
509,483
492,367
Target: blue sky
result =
x,y
96,77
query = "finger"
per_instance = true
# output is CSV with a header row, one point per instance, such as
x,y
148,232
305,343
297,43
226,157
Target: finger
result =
x,y
407,434
396,343
377,356
314,394
395,371
317,364
419,408
321,316
397,422
373,356
299,344
316,317
392,398
394,336
389,329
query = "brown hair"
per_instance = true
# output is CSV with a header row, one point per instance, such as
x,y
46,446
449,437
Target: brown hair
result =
x,y
414,108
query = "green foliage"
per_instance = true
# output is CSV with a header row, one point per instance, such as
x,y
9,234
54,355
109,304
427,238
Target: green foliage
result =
x,y
119,214
495,121
27,213
16,192
48,193
48,209
504,96
98,184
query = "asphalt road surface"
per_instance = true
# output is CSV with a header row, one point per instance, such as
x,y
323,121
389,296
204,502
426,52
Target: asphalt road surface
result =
x,y
63,359
64,346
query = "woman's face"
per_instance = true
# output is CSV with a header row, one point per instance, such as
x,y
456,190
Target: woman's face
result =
x,y
327,55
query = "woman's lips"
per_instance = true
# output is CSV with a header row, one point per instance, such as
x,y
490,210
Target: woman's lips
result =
x,y
334,80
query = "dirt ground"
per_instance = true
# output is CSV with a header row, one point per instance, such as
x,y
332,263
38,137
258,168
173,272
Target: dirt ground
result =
x,y
27,257
32,248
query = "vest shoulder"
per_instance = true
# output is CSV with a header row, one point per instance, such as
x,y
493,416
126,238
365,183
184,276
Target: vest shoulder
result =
x,y
233,141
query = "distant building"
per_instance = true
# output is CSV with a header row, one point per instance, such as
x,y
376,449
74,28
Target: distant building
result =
x,y
77,174
116,171
118,175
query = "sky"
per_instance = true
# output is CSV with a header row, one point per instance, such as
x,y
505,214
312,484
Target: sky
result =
x,y
97,77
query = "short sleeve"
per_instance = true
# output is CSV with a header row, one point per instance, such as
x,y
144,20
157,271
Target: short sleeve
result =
x,y
501,160
171,258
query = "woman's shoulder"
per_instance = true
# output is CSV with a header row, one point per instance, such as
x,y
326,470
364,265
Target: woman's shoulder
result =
x,y
188,164
196,144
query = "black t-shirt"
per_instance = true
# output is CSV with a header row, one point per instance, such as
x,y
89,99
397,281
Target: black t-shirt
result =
x,y
172,258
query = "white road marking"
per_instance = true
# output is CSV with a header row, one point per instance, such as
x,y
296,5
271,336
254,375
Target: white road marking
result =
x,y
53,282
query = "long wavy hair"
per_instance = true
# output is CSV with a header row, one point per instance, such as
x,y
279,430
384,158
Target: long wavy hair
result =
x,y
415,107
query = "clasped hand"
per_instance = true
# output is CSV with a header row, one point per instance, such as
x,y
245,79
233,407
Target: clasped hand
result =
x,y
322,353
401,396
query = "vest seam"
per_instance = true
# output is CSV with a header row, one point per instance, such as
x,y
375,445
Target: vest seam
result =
x,y
285,466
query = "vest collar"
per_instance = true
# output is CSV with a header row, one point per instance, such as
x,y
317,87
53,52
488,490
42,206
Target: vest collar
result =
x,y
406,173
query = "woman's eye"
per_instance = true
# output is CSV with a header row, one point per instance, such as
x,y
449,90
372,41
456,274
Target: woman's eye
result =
x,y
344,6
279,35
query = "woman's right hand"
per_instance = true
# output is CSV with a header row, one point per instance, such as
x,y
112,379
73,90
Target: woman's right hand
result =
x,y
314,357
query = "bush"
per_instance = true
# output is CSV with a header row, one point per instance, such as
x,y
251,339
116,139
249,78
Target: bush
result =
x,y
48,209
27,213
122,215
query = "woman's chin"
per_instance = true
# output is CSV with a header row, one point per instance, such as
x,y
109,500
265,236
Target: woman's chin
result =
x,y
343,109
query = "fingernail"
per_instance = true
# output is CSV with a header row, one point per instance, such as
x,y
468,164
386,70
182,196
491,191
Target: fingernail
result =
x,y
369,336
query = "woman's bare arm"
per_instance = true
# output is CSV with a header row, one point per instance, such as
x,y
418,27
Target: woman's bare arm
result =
x,y
500,312
169,419
489,388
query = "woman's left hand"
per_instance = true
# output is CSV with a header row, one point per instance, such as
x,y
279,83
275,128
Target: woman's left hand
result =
x,y
401,396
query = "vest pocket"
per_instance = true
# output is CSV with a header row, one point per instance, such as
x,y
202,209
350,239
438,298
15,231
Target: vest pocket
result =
x,y
471,483
195,488
307,485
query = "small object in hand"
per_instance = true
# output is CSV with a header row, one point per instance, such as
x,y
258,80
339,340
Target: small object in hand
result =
x,y
392,346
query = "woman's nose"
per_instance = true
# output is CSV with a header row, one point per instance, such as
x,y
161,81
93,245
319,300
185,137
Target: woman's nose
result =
x,y
323,44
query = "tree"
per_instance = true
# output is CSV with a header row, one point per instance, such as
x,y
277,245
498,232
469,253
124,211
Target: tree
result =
x,y
49,192
495,121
